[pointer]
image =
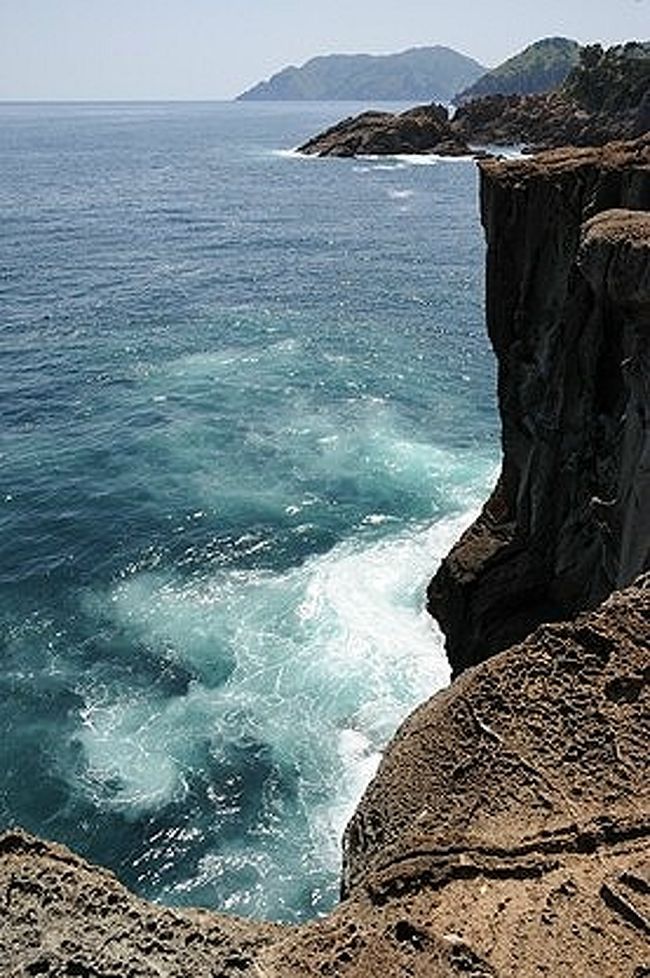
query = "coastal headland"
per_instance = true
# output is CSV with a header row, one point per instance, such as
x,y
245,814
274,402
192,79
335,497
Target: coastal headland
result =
x,y
506,831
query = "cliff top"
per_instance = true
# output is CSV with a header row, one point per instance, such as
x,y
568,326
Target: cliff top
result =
x,y
632,227
612,156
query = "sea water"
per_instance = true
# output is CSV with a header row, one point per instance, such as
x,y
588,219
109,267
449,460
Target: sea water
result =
x,y
247,404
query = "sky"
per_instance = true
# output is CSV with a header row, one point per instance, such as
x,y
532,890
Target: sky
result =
x,y
214,49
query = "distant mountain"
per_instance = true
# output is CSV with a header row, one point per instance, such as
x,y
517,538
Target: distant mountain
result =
x,y
605,97
419,74
540,67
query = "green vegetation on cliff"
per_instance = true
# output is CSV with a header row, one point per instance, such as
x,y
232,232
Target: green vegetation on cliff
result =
x,y
420,74
615,80
538,68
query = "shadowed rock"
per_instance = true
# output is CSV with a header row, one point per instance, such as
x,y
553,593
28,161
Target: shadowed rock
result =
x,y
568,313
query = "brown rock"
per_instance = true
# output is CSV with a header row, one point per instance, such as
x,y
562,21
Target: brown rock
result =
x,y
424,129
544,121
568,310
62,917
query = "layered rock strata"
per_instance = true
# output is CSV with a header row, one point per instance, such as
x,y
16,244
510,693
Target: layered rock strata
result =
x,y
568,314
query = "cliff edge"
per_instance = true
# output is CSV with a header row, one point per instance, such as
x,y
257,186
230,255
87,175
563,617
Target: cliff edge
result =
x,y
505,834
568,314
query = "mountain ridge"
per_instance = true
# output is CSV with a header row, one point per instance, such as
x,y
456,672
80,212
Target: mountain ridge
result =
x,y
539,67
426,72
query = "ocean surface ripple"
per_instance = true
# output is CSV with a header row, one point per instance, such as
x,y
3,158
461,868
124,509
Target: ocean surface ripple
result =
x,y
247,405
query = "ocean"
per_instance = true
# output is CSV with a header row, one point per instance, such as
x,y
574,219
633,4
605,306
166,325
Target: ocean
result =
x,y
247,403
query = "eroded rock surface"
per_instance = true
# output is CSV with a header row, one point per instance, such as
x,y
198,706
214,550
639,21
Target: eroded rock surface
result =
x,y
62,917
505,834
568,313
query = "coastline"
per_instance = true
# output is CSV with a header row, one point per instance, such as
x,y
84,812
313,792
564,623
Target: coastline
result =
x,y
504,829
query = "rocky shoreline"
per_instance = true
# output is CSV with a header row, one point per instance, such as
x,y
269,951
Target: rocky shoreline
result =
x,y
605,98
534,122
424,129
506,831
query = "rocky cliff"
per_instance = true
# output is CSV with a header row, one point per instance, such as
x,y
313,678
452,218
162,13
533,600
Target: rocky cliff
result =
x,y
506,831
568,313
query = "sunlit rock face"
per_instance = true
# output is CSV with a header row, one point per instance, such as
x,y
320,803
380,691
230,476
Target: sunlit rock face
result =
x,y
568,312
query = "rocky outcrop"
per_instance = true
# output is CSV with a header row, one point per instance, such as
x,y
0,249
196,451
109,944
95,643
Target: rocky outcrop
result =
x,y
425,129
537,122
606,97
505,834
545,121
568,311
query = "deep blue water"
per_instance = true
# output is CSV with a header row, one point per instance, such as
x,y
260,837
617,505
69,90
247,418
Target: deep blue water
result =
x,y
246,404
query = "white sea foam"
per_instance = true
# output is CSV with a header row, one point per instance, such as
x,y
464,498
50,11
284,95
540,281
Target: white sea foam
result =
x,y
292,154
319,663
506,152
400,194
388,167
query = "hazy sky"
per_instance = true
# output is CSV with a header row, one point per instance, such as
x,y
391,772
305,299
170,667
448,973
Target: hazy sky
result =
x,y
183,49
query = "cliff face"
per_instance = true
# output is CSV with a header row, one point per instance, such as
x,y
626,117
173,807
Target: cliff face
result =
x,y
568,314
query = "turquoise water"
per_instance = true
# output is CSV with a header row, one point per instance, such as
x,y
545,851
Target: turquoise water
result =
x,y
247,404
